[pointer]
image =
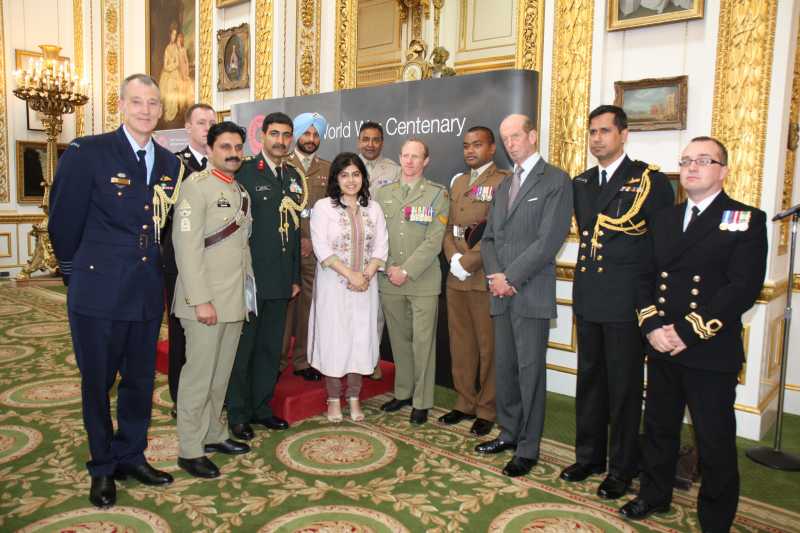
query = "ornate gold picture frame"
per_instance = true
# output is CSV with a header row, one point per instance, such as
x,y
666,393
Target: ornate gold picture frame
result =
x,y
229,3
233,58
653,103
627,14
31,166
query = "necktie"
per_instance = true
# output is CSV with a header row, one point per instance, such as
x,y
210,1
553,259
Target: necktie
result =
x,y
515,185
693,216
141,167
473,176
203,162
405,190
603,178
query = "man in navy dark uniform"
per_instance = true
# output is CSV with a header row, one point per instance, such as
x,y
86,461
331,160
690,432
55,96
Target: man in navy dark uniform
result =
x,y
614,202
199,118
708,267
102,230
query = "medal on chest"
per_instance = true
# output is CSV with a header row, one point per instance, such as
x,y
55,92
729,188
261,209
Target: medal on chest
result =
x,y
484,193
418,213
735,220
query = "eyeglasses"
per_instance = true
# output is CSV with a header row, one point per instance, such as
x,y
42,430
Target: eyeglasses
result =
x,y
700,161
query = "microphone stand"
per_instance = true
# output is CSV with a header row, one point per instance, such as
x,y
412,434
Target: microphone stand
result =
x,y
774,457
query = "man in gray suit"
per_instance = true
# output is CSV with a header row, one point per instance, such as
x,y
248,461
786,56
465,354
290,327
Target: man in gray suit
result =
x,y
529,219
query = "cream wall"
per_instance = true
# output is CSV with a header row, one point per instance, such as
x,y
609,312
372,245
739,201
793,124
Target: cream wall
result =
x,y
683,48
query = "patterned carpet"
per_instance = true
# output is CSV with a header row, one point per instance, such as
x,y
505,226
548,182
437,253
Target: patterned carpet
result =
x,y
379,476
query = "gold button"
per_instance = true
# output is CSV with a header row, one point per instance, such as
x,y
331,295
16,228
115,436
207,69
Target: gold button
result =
x,y
144,226
694,292
91,267
583,245
119,193
600,269
662,300
662,287
147,208
599,244
696,278
599,257
583,258
692,305
585,233
583,269
600,233
661,313
144,258
664,275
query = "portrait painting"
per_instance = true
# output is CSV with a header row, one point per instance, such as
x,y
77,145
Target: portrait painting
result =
x,y
31,167
233,58
626,14
171,57
653,104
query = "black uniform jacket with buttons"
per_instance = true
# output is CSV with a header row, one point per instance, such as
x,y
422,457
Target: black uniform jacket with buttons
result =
x,y
702,281
605,284
190,164
101,227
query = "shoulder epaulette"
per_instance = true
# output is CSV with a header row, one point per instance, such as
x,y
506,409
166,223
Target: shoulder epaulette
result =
x,y
436,184
200,174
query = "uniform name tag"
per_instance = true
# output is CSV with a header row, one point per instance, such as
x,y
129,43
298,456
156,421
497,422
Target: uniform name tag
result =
x,y
116,180
482,194
418,213
735,220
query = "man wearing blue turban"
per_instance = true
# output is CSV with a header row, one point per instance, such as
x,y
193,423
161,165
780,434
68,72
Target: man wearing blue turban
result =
x,y
309,128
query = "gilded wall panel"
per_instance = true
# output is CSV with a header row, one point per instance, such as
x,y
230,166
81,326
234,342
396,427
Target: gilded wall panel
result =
x,y
205,13
741,91
572,64
379,47
487,26
344,73
264,16
112,67
309,14
5,194
791,151
77,30
530,34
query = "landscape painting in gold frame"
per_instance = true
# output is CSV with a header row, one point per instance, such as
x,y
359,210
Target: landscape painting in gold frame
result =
x,y
653,103
627,14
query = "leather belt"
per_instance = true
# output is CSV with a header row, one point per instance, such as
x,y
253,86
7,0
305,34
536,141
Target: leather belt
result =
x,y
228,230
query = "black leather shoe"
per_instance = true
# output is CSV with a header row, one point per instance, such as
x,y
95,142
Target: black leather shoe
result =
x,y
199,467
454,417
103,493
395,405
613,487
308,374
272,422
418,416
495,446
481,427
242,431
229,446
578,472
638,509
519,466
143,473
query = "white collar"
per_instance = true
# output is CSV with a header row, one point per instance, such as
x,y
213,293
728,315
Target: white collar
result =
x,y
703,204
610,169
528,165
148,147
197,155
482,169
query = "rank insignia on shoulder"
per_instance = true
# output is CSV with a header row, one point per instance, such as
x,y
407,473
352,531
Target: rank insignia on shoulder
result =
x,y
75,144
735,220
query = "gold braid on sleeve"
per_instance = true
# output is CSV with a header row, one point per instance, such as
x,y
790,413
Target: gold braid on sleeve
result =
x,y
289,207
623,223
163,202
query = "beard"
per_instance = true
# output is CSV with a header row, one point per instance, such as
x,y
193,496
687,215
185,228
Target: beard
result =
x,y
308,148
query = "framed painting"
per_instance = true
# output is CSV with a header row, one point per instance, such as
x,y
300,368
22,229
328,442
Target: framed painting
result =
x,y
233,58
228,3
22,59
627,14
31,166
171,56
675,181
223,115
654,103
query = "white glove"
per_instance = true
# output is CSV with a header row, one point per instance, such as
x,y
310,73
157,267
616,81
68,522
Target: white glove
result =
x,y
456,269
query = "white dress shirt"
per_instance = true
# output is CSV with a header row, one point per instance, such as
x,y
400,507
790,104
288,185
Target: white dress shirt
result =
x,y
701,206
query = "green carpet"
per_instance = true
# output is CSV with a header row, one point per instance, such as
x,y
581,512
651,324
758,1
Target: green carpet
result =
x,y
378,475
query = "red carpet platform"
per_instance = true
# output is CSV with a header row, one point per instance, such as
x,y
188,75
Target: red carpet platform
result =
x,y
295,398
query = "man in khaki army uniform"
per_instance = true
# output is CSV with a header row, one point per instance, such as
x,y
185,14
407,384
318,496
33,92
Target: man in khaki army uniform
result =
x,y
380,171
210,235
308,127
468,318
416,215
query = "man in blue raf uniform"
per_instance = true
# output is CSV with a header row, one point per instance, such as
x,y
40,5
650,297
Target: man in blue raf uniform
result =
x,y
614,202
709,263
279,195
102,230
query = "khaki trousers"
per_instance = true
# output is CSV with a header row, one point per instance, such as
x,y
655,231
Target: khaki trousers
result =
x,y
412,330
210,352
472,352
